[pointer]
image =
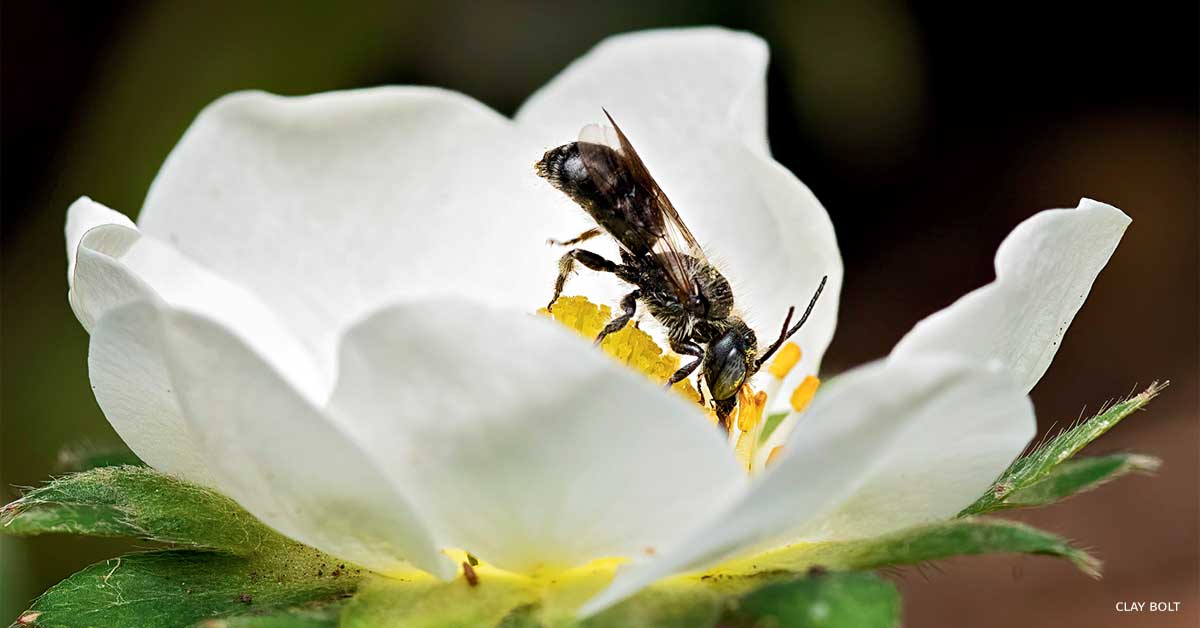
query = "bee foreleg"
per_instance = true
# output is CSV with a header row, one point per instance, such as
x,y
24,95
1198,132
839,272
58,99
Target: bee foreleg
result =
x,y
628,307
685,347
566,266
583,237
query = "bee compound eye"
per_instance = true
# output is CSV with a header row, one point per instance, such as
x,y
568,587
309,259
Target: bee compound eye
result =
x,y
730,380
725,367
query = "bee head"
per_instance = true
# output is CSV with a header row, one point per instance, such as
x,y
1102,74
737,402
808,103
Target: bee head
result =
x,y
562,167
727,362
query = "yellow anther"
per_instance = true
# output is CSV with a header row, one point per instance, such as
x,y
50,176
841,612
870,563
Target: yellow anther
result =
x,y
750,408
630,346
773,456
789,354
745,447
803,394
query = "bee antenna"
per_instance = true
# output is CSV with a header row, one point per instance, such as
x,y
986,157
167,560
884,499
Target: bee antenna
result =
x,y
786,333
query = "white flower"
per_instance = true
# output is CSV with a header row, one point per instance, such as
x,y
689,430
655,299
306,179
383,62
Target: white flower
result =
x,y
324,313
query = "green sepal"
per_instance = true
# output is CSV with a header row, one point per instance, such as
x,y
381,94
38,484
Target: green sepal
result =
x,y
845,600
965,536
129,501
1036,466
173,588
1077,476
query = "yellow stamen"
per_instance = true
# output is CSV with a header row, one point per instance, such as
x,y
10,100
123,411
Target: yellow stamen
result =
x,y
745,448
750,408
789,354
749,423
773,456
803,394
630,346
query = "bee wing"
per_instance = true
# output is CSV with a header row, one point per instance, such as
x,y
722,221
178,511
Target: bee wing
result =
x,y
617,170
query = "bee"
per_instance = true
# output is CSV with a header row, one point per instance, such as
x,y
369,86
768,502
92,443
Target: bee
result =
x,y
661,259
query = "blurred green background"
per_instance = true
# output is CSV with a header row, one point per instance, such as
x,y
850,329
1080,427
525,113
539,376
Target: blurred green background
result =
x,y
928,134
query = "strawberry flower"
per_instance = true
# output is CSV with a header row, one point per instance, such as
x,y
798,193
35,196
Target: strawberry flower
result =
x,y
325,311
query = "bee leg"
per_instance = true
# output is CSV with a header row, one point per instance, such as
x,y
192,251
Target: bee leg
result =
x,y
628,306
724,409
583,237
566,265
685,347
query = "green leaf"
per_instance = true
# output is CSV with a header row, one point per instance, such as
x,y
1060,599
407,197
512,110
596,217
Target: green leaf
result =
x,y
139,502
255,571
1076,476
845,600
179,587
1037,465
964,536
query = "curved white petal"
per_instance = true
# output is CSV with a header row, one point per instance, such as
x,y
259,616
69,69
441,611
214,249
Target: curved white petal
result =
x,y
113,264
886,446
133,387
329,206
670,85
271,450
1044,271
82,216
522,444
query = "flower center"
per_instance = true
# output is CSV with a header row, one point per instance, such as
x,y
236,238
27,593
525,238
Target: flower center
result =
x,y
636,349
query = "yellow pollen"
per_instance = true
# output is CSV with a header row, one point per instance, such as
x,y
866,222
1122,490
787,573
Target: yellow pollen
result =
x,y
773,456
750,408
630,346
789,354
749,421
803,394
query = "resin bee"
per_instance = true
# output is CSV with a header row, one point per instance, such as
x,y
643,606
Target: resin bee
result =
x,y
661,258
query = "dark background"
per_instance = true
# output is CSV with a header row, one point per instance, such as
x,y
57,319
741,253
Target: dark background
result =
x,y
927,132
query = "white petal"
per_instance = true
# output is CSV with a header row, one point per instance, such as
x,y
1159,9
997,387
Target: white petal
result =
x,y
328,206
272,451
1044,271
520,442
82,216
669,85
115,265
887,445
133,387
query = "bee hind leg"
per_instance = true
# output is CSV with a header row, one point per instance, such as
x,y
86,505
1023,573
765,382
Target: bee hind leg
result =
x,y
583,237
685,347
566,266
628,307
